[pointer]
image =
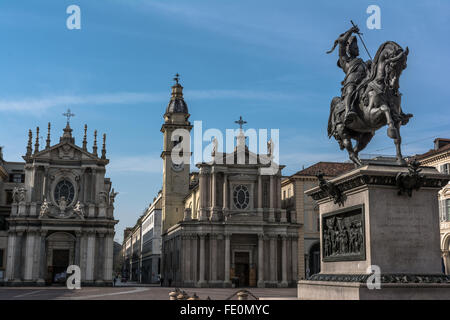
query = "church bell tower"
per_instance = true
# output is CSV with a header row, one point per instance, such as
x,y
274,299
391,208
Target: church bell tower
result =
x,y
175,176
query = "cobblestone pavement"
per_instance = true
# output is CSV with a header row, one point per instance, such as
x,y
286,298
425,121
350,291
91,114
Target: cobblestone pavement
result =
x,y
133,293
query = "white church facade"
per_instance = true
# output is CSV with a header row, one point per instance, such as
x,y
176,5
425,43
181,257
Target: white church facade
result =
x,y
62,215
224,224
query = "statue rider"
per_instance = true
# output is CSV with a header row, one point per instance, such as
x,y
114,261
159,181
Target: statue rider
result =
x,y
354,67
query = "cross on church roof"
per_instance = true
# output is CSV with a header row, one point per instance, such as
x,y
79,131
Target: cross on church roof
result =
x,y
177,78
68,114
240,122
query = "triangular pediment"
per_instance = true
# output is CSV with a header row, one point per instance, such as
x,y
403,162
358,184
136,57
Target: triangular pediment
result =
x,y
65,151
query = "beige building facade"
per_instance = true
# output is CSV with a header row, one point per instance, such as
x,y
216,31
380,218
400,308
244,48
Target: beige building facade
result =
x,y
142,246
12,175
306,210
439,157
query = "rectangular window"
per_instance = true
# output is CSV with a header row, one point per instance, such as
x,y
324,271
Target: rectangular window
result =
x,y
17,178
284,194
1,258
448,210
445,168
442,210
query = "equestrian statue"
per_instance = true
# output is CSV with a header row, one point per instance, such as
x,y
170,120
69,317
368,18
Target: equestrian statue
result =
x,y
370,98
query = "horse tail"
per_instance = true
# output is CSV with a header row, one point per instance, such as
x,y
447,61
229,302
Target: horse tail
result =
x,y
334,103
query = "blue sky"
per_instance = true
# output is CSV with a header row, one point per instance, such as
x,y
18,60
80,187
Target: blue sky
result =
x,y
264,60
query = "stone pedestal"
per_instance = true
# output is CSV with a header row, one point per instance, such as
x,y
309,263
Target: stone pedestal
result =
x,y
370,223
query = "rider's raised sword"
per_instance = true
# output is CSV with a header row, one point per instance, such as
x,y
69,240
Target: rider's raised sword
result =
x,y
362,41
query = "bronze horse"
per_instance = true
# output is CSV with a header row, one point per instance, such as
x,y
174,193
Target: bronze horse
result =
x,y
376,101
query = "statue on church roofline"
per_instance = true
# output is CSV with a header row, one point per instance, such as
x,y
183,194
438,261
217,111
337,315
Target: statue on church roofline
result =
x,y
370,97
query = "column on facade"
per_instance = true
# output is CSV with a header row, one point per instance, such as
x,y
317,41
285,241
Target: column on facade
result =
x,y
214,213
260,193
108,256
278,194
260,260
81,194
42,257
46,182
271,191
194,213
88,183
273,258
227,259
284,266
90,256
19,256
99,257
225,191
271,199
187,261
446,258
294,259
202,260
36,255
83,255
213,255
11,260
77,260
94,186
213,188
29,255
203,194
194,258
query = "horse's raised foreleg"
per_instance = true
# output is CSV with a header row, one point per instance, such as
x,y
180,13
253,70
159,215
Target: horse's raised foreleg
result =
x,y
394,133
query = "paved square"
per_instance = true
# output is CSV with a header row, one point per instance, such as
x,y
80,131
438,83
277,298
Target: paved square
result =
x,y
133,293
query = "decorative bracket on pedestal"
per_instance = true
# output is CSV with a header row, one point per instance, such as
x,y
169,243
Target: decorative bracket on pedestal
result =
x,y
408,181
330,189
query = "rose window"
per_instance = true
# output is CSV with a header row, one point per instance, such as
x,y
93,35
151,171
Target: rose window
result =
x,y
241,197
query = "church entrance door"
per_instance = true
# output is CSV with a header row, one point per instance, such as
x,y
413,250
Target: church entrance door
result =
x,y
60,264
242,268
60,254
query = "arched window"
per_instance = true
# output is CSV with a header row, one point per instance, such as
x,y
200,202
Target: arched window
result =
x,y
65,189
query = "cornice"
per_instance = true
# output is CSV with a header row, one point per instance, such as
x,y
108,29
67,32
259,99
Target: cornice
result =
x,y
369,175
435,157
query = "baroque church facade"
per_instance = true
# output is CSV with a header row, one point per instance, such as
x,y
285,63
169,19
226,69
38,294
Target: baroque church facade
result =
x,y
223,224
62,215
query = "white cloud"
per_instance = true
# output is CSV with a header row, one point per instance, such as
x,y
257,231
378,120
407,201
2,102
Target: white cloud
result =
x,y
39,104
